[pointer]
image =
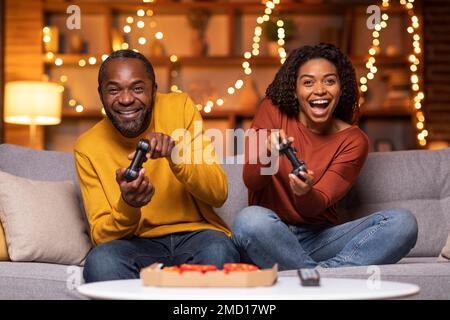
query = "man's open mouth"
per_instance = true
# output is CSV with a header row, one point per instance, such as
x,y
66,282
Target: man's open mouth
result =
x,y
128,114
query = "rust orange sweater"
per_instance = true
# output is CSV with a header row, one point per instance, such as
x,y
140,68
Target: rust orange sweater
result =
x,y
336,160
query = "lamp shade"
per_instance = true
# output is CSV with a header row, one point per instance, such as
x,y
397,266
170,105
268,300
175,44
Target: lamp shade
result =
x,y
32,102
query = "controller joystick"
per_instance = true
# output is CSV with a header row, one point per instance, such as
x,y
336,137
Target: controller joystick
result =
x,y
139,158
298,165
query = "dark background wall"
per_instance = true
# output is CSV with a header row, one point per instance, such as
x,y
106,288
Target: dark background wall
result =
x,y
436,27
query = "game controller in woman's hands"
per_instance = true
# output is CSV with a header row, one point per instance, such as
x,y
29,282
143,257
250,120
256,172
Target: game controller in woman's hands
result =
x,y
139,158
298,165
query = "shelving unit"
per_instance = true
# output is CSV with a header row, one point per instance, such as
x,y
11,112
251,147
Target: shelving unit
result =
x,y
230,58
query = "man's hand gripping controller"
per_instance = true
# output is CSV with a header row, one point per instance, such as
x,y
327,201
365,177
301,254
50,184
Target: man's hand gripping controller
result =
x,y
298,165
139,158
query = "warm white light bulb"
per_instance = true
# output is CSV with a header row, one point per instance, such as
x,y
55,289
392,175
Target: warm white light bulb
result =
x,y
142,40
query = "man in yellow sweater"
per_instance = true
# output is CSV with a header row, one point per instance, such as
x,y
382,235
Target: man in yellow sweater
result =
x,y
166,214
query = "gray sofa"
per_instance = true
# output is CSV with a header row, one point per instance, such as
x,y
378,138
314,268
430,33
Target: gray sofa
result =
x,y
416,180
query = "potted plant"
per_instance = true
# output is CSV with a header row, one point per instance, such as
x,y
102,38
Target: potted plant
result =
x,y
270,32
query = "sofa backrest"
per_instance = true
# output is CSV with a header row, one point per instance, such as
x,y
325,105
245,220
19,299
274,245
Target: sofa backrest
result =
x,y
417,180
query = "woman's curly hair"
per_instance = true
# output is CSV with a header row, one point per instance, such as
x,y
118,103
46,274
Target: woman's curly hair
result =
x,y
282,89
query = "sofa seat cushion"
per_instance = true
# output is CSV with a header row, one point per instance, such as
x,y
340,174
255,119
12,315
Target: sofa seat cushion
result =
x,y
30,280
432,277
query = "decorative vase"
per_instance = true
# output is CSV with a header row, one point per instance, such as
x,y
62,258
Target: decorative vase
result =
x,y
75,44
272,47
157,49
116,39
199,46
198,19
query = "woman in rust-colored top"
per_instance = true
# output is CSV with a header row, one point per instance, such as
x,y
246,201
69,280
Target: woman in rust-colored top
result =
x,y
313,103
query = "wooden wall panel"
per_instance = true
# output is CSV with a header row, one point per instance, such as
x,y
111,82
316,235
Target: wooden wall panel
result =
x,y
2,78
23,55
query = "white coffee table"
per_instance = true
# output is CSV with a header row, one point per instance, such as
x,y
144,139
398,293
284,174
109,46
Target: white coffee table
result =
x,y
286,288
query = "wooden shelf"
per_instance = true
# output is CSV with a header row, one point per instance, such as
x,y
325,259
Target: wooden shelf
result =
x,y
208,61
73,59
219,61
216,7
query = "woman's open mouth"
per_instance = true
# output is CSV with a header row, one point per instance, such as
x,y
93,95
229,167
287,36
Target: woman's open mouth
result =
x,y
319,107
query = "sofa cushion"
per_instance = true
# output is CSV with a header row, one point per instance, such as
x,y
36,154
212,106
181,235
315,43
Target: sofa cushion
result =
x,y
42,221
30,280
40,165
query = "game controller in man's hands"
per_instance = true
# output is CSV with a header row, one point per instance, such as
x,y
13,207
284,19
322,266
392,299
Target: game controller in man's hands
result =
x,y
298,165
139,158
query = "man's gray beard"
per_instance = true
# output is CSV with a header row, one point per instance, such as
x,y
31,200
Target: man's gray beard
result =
x,y
133,128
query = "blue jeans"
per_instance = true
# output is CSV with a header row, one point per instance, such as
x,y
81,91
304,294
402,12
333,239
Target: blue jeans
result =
x,y
123,259
383,237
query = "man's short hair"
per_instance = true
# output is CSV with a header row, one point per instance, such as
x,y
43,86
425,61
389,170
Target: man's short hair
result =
x,y
126,54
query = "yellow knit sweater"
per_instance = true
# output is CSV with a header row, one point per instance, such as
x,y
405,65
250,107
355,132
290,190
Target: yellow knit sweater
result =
x,y
184,193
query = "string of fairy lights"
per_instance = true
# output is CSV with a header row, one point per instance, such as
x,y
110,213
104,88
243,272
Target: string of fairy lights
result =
x,y
141,13
412,29
246,65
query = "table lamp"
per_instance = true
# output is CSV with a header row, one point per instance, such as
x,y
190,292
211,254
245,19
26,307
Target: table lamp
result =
x,y
33,103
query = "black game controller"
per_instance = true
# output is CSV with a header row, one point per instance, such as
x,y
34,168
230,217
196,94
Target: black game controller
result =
x,y
298,165
132,171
